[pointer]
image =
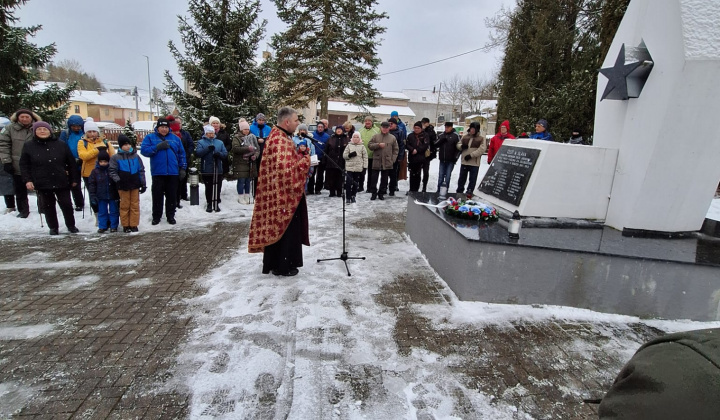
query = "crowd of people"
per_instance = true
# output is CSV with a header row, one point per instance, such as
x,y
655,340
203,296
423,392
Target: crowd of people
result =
x,y
342,161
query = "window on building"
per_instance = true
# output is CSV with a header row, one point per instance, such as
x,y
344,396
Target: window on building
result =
x,y
107,111
131,114
77,109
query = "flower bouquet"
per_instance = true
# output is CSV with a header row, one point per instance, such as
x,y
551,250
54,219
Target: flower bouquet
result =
x,y
472,210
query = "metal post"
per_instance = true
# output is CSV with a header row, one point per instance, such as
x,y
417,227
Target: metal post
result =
x,y
137,107
149,88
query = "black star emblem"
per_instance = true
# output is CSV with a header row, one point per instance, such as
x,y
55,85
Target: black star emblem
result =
x,y
617,86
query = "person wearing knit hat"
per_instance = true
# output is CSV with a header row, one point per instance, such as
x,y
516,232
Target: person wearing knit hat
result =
x,y
71,135
189,146
48,167
104,195
261,130
128,172
447,154
401,125
541,132
303,136
400,167
222,135
333,155
213,155
89,146
245,152
12,139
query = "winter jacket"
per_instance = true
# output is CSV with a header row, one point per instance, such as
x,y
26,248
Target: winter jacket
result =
x,y
100,184
366,134
211,160
311,146
497,141
188,144
70,137
420,143
477,145
12,139
322,138
447,147
576,140
259,133
432,138
334,150
224,137
243,165
675,376
127,170
545,135
358,162
164,162
384,158
401,137
88,152
48,164
401,125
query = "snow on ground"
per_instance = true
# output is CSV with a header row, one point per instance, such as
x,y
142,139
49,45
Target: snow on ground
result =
x,y
714,212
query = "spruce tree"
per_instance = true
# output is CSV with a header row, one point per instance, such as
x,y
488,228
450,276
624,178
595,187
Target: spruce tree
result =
x,y
20,61
328,51
129,132
221,38
553,52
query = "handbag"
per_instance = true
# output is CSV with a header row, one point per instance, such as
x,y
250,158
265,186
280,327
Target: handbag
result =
x,y
428,153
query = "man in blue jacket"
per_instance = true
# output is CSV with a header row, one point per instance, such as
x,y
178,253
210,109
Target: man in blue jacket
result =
x,y
167,165
71,136
261,131
541,132
320,134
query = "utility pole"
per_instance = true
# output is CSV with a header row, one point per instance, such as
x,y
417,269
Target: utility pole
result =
x,y
152,117
438,104
137,107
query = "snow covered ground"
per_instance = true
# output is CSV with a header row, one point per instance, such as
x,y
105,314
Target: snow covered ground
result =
x,y
714,212
293,343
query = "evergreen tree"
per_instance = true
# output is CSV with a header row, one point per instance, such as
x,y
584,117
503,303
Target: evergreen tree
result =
x,y
220,38
19,64
328,51
129,131
553,53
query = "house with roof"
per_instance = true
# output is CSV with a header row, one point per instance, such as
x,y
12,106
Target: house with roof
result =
x,y
340,110
428,104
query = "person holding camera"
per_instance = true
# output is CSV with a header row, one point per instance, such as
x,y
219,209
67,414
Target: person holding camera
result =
x,y
212,153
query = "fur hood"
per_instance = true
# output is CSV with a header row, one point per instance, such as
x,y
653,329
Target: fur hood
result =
x,y
36,117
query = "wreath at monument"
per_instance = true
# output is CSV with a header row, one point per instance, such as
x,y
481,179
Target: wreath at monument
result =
x,y
471,210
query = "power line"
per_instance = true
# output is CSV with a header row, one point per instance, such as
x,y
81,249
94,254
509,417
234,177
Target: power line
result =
x,y
434,62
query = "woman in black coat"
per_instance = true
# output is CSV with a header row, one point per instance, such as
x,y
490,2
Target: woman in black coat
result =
x,y
48,167
333,152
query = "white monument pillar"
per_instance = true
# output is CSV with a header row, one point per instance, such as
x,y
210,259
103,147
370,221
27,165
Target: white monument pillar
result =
x,y
669,137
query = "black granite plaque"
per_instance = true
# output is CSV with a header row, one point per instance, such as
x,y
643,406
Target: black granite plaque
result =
x,y
509,173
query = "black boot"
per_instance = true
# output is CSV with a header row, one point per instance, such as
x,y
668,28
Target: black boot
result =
x,y
209,208
373,197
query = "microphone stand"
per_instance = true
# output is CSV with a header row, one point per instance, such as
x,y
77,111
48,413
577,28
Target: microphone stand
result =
x,y
344,255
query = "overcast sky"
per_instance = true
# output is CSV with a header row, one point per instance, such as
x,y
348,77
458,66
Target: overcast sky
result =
x,y
110,38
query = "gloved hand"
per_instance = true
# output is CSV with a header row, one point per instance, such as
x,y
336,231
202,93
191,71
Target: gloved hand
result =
x,y
211,148
182,173
465,146
143,189
467,157
94,204
352,154
253,157
78,162
163,145
217,155
252,148
8,168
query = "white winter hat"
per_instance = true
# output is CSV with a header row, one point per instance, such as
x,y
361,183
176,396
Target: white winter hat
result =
x,y
213,119
209,129
90,125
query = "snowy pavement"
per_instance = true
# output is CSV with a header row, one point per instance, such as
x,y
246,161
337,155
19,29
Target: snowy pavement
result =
x,y
389,342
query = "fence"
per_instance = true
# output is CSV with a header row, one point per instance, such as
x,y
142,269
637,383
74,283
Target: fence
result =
x,y
111,134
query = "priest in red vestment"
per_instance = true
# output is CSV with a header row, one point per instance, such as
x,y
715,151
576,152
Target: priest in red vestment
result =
x,y
279,225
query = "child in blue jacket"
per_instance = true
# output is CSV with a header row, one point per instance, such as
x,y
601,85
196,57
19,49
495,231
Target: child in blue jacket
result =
x,y
104,195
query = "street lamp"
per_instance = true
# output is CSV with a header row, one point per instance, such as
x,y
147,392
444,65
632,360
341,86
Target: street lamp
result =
x,y
149,88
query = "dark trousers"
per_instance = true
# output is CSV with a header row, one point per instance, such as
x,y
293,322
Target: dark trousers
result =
x,y
466,170
182,191
46,202
319,177
384,175
370,187
21,196
415,172
361,182
213,185
425,174
393,178
352,183
164,189
77,195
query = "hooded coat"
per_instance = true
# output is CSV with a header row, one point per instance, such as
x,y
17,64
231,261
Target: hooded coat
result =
x,y
100,184
322,138
70,137
497,141
263,133
48,164
12,139
419,142
242,163
477,144
280,189
164,162
127,170
88,152
356,163
447,147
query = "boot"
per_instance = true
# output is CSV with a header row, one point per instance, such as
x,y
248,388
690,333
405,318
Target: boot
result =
x,y
373,197
241,198
348,200
209,208
424,188
247,199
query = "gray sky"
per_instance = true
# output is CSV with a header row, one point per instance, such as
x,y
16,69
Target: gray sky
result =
x,y
109,38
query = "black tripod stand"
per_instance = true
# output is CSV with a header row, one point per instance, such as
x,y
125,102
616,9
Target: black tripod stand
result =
x,y
344,255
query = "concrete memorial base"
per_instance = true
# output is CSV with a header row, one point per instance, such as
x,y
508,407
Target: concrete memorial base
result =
x,y
597,269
